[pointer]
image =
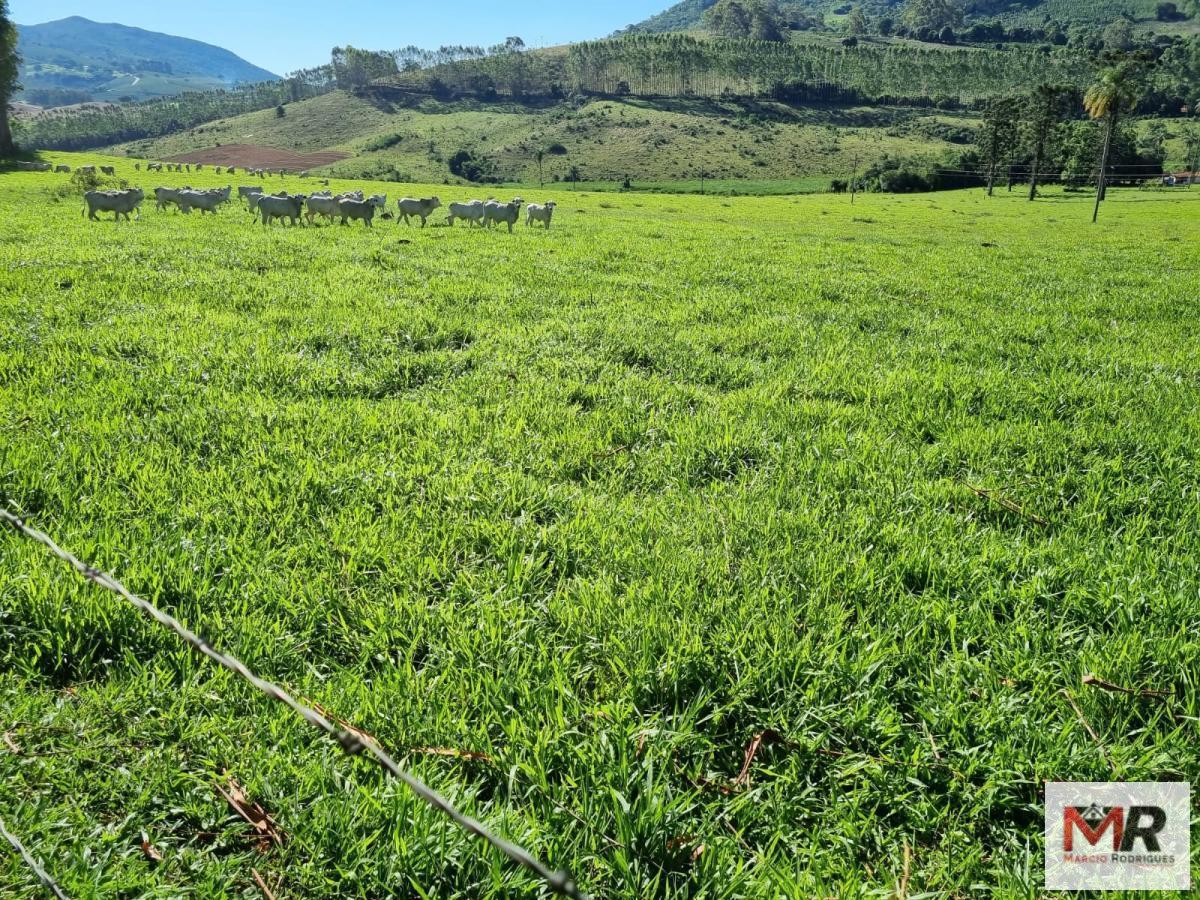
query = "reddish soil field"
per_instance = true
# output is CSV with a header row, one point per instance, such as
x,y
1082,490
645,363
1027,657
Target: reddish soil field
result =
x,y
255,156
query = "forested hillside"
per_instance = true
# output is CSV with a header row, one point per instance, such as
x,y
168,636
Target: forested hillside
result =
x,y
690,14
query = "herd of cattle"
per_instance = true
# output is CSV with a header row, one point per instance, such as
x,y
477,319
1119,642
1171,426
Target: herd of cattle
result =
x,y
24,166
298,208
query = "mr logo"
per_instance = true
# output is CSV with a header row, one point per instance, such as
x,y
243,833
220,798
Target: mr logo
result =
x,y
1139,823
1113,836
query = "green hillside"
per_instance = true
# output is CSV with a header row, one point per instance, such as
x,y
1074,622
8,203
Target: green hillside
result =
x,y
74,60
689,14
604,139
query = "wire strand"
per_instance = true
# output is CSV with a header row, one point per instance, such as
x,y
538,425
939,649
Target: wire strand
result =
x,y
50,883
560,882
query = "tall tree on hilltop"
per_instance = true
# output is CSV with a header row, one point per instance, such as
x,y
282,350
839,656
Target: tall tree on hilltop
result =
x,y
9,62
1105,101
754,19
935,14
1047,106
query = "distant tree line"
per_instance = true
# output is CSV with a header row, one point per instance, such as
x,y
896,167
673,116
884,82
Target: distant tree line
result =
x,y
1054,133
84,129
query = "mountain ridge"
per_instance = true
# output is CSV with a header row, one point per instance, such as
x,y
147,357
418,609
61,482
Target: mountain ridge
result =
x,y
75,60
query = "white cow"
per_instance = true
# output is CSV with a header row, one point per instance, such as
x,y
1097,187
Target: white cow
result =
x,y
164,197
357,209
154,167
281,207
495,213
120,203
205,201
471,213
324,205
422,209
540,213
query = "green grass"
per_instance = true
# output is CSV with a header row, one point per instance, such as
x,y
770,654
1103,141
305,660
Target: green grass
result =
x,y
602,503
668,141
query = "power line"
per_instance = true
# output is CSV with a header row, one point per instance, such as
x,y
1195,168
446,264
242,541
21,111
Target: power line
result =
x,y
560,882
50,883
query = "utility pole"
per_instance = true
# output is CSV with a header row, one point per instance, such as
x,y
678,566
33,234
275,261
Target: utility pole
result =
x,y
854,180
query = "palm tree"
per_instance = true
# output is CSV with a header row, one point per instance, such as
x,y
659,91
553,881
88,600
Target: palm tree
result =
x,y
1105,101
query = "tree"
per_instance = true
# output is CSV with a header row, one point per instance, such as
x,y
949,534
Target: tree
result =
x,y
1168,12
1047,107
1118,35
540,156
752,19
1104,102
9,60
856,22
280,112
1191,148
574,176
998,136
933,14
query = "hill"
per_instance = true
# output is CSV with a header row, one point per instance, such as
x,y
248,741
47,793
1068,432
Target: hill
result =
x,y
689,14
76,60
602,140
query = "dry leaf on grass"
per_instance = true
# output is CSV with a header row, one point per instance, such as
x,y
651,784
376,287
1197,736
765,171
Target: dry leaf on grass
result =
x,y
149,850
770,736
1097,681
11,744
472,755
266,832
363,736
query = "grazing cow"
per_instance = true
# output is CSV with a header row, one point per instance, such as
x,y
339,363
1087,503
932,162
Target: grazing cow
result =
x,y
119,203
63,169
153,167
495,213
205,201
357,209
471,213
380,200
87,170
199,167
137,167
163,197
107,170
540,213
281,207
323,205
249,194
232,170
422,209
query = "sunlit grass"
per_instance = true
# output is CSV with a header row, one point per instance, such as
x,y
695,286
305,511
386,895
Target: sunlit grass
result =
x,y
602,503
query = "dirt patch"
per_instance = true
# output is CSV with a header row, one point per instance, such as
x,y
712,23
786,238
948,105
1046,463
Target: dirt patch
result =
x,y
256,156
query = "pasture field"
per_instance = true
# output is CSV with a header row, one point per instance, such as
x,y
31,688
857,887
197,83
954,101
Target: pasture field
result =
x,y
567,519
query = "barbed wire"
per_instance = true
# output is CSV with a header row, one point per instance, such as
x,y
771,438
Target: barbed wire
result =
x,y
50,883
560,882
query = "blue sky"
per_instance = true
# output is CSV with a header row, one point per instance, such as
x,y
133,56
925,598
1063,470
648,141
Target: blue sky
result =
x,y
286,36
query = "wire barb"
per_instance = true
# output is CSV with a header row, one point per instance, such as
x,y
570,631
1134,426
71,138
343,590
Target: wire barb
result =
x,y
560,882
50,883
